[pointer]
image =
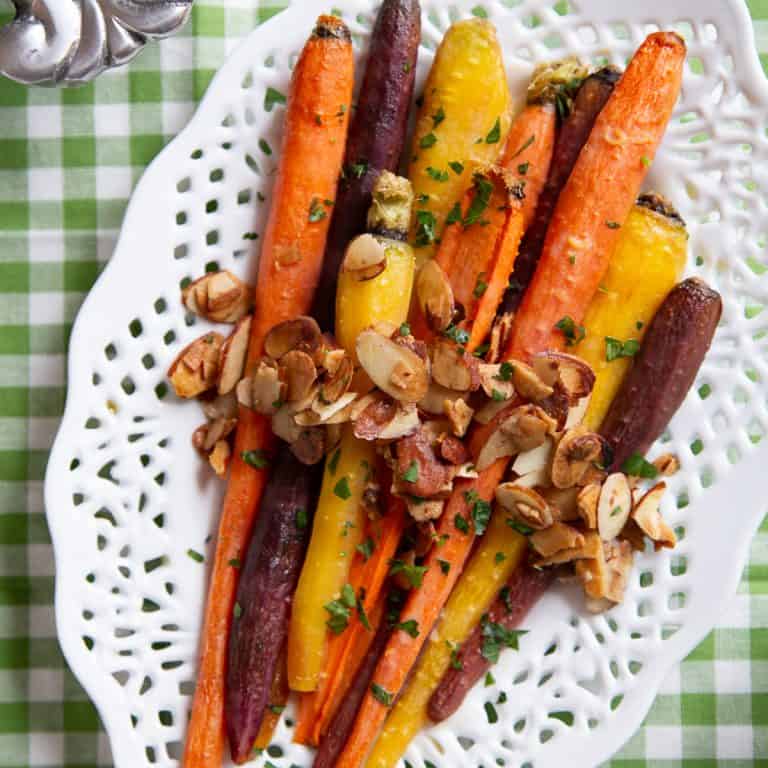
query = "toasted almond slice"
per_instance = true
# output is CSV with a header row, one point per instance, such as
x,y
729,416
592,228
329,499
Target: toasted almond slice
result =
x,y
493,384
309,448
576,456
535,459
535,479
467,471
219,296
435,295
218,429
618,558
220,405
557,537
404,423
576,376
525,505
593,574
337,383
219,458
284,425
233,353
398,371
499,335
267,391
589,550
321,413
459,415
563,502
490,410
614,506
586,504
196,367
527,382
634,535
365,257
525,427
452,368
577,412
648,517
299,374
300,333
598,606
667,464
422,511
434,400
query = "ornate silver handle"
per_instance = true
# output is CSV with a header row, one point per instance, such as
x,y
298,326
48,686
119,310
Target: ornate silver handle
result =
x,y
67,42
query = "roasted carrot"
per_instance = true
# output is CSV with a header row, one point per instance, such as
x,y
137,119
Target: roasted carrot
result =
x,y
598,197
422,606
573,133
278,697
289,267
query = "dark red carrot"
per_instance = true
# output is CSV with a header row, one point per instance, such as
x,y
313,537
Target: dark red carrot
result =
x,y
520,594
590,99
264,593
376,135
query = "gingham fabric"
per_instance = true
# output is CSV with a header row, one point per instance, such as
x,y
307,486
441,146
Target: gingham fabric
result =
x,y
68,162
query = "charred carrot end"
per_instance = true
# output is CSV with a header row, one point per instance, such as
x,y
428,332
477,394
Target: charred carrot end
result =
x,y
599,195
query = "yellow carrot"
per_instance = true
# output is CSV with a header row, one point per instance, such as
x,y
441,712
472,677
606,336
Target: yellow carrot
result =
x,y
646,265
461,125
481,580
339,519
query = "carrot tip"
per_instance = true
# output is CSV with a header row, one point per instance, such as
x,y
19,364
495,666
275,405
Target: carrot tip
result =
x,y
332,26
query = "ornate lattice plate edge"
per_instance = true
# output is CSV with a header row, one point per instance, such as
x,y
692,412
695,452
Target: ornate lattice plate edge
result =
x,y
128,595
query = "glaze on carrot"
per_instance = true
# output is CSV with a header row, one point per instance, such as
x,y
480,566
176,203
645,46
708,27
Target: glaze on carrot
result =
x,y
289,267
598,197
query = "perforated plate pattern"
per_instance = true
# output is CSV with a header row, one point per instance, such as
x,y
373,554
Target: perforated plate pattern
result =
x,y
130,504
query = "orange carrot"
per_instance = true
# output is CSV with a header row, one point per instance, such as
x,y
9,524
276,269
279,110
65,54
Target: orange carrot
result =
x,y
278,696
598,197
289,267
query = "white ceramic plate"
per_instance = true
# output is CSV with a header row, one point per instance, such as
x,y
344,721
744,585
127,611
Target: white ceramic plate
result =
x,y
127,497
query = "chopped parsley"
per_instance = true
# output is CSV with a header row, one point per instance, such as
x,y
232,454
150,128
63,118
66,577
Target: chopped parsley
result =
x,y
445,566
496,637
522,169
426,224
422,198
461,523
272,97
357,170
459,335
410,627
345,526
234,562
428,141
639,325
341,489
572,331
480,286
456,167
382,695
264,147
366,548
316,210
615,511
502,698
646,161
333,462
413,574
195,555
411,475
276,709
494,135
362,615
505,371
613,225
251,236
482,194
407,67
521,528
615,348
638,466
499,557
481,510
438,117
340,610
491,713
436,174
506,598
405,329
237,610
455,661
302,518
489,679
257,459
525,146
454,216
497,396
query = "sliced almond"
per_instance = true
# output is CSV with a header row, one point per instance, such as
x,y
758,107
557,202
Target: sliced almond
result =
x,y
398,371
321,412
535,479
452,367
219,296
434,401
576,376
424,510
219,458
499,336
577,412
490,410
586,504
525,505
309,447
198,438
435,296
284,424
535,459
557,537
365,258
598,606
196,368
648,517
220,406
300,333
525,427
527,383
614,506
589,550
576,457
337,383
618,559
453,451
667,464
563,501
218,429
299,374
633,534
493,384
263,391
404,423
459,415
593,574
233,354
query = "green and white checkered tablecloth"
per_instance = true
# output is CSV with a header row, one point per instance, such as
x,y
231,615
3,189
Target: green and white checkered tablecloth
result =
x,y
68,162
